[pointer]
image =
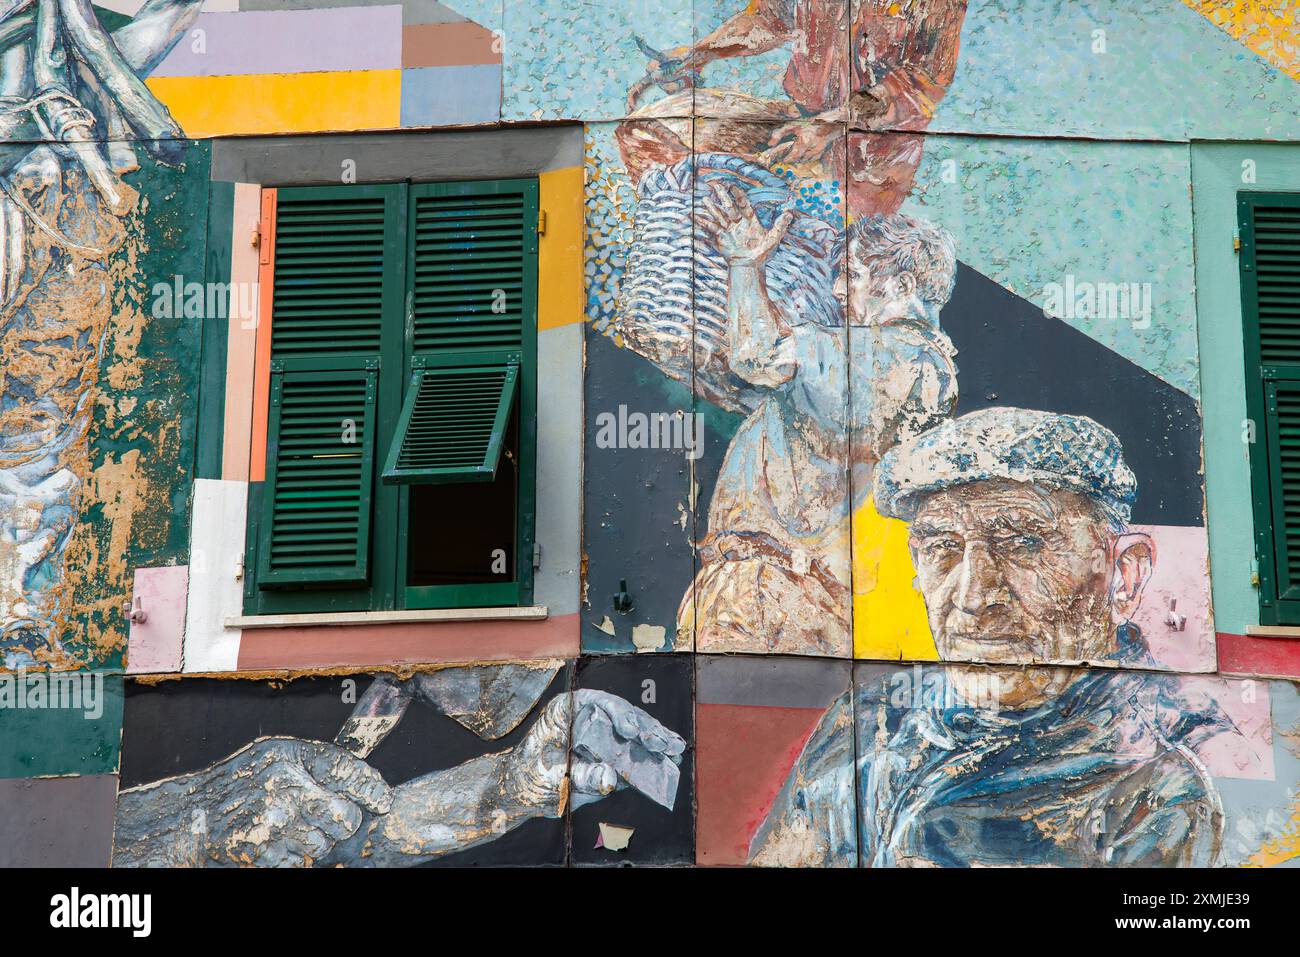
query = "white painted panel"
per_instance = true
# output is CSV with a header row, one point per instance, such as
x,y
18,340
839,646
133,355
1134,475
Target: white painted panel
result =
x,y
216,593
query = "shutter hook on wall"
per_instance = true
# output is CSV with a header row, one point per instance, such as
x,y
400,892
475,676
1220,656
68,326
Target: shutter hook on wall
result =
x,y
623,602
135,611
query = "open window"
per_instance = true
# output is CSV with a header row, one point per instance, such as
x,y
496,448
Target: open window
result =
x,y
400,412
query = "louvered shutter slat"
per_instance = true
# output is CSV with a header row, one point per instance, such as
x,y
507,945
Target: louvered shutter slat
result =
x,y
319,468
1277,279
453,424
468,259
329,270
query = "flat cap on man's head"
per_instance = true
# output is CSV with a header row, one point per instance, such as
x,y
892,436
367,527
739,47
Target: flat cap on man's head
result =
x,y
1045,449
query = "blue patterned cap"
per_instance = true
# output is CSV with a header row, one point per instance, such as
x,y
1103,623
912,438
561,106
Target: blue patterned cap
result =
x,y
1046,449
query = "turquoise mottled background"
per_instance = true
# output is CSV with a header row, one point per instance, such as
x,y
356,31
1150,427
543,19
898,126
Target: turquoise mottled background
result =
x,y
1031,212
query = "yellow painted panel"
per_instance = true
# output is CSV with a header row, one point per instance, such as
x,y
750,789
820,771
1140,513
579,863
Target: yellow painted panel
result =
x,y
282,102
889,620
1268,28
559,253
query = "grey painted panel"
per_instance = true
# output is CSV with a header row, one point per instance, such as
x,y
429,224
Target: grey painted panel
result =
x,y
57,822
391,157
559,467
770,682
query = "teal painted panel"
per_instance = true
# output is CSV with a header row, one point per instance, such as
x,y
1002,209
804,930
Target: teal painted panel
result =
x,y
1038,214
1034,67
1219,171
83,736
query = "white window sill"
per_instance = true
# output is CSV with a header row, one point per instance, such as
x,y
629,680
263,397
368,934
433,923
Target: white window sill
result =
x,y
1273,631
430,616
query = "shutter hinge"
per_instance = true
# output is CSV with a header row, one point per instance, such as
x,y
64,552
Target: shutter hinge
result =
x,y
239,568
537,555
256,239
541,222
1236,241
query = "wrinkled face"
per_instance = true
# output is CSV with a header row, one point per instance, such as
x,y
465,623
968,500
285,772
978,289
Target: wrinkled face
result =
x,y
1014,573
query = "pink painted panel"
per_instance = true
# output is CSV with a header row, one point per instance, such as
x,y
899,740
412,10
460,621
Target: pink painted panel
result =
x,y
1181,574
1245,748
241,337
337,646
155,644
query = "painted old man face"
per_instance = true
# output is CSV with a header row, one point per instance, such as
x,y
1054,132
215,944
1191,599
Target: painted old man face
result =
x,y
1016,573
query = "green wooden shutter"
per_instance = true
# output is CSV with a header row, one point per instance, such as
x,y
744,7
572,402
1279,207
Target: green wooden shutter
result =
x,y
453,424
1270,272
471,360
471,283
338,276
329,274
320,463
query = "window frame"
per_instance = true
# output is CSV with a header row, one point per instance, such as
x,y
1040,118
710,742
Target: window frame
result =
x,y
387,588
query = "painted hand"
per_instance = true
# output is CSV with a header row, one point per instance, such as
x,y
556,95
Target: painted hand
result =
x,y
285,802
632,749
739,235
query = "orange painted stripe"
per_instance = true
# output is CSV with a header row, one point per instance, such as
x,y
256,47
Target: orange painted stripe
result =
x,y
262,360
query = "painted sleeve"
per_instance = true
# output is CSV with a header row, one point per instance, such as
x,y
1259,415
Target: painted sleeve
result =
x,y
811,821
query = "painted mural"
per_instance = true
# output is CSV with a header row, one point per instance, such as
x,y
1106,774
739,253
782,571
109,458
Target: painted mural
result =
x,y
78,115
292,800
881,363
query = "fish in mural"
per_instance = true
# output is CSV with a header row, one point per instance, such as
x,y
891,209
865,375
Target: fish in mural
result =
x,y
773,344
288,801
1018,532
74,89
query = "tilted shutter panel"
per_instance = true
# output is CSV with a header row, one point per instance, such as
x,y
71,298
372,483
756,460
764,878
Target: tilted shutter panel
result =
x,y
320,461
453,424
1270,271
471,248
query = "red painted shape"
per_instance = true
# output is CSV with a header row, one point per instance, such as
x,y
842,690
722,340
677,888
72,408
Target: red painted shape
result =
x,y
743,754
1264,657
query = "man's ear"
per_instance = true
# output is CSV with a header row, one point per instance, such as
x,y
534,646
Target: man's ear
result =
x,y
906,283
1135,556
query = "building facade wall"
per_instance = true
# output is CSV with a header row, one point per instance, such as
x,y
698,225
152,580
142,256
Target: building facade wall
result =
x,y
893,497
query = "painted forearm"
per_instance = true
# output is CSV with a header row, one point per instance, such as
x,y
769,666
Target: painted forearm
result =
x,y
148,38
452,810
753,330
161,825
749,33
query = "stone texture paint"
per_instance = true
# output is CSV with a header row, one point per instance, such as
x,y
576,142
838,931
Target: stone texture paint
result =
x,y
962,357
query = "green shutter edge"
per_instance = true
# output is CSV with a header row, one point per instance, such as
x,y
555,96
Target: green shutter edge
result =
x,y
1279,602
